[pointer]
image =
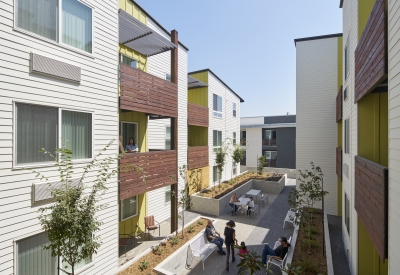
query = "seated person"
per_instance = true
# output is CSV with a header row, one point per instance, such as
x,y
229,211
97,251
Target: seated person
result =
x,y
243,250
278,254
131,147
250,205
214,237
232,204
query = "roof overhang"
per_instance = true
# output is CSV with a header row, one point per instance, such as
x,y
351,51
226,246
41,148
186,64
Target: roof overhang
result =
x,y
277,125
195,83
139,37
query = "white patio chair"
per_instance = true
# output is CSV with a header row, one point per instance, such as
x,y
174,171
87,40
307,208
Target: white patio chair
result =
x,y
263,198
256,207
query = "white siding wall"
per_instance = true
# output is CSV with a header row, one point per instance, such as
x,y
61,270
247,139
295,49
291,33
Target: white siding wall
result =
x,y
253,146
394,135
350,29
251,120
227,124
316,90
97,92
158,65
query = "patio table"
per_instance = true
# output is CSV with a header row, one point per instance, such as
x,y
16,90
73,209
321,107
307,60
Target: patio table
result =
x,y
242,202
254,193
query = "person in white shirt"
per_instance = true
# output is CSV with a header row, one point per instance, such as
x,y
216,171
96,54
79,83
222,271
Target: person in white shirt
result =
x,y
250,205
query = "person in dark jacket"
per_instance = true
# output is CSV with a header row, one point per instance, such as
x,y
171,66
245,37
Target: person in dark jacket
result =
x,y
230,240
279,252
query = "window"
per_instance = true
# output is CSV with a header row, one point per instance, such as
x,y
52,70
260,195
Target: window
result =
x,y
217,139
38,127
128,130
243,161
73,26
347,136
270,158
128,61
345,95
234,109
216,174
347,212
168,137
269,137
168,77
167,193
234,138
234,170
31,258
243,137
217,106
347,58
128,208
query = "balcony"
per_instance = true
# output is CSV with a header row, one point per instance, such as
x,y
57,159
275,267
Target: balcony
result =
x,y
157,167
371,53
197,115
339,162
339,105
269,142
146,93
197,156
371,201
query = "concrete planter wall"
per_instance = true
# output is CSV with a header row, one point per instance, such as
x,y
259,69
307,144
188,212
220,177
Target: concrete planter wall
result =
x,y
291,173
217,207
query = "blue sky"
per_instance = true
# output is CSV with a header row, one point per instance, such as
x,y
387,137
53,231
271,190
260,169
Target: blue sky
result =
x,y
249,44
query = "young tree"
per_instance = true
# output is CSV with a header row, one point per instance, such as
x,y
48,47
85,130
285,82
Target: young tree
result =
x,y
237,154
307,193
220,157
70,222
260,165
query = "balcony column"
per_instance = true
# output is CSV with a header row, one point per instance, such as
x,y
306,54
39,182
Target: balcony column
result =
x,y
174,134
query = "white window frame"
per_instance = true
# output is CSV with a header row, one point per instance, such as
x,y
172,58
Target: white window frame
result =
x,y
121,56
347,136
234,109
136,137
347,58
59,40
218,146
166,77
37,232
165,139
347,215
137,209
234,138
234,168
168,190
216,113
59,141
218,173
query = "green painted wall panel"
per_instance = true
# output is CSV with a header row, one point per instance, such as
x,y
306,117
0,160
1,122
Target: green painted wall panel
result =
x,y
197,136
340,62
199,95
141,120
384,129
364,11
129,226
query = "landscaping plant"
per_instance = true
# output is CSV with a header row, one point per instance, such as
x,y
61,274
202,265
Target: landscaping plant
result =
x,y
260,165
220,156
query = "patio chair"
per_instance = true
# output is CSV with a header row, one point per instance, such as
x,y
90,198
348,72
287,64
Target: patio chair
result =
x,y
125,240
290,217
277,243
263,198
256,206
150,224
279,263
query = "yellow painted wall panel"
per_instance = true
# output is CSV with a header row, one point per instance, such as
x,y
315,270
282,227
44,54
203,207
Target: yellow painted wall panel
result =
x,y
203,175
197,136
199,95
142,59
133,10
129,226
141,120
364,11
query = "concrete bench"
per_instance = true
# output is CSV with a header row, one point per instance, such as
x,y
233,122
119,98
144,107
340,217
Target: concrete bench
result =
x,y
201,248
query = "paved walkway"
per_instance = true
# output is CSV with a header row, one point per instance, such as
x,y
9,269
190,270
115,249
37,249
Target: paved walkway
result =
x,y
340,264
267,227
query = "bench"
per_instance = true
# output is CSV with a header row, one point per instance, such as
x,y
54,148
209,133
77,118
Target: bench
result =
x,y
201,248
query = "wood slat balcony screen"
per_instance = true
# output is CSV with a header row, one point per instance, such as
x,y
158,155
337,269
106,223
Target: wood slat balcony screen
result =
x,y
197,115
157,166
197,156
339,101
146,93
371,201
339,162
371,53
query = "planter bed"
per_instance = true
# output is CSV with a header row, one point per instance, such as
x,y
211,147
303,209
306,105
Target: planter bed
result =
x,y
168,248
220,204
314,263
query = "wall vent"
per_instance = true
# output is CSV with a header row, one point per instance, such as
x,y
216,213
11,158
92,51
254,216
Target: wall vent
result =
x,y
41,190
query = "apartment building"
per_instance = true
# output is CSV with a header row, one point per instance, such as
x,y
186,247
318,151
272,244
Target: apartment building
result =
x,y
153,87
273,137
59,73
209,128
367,131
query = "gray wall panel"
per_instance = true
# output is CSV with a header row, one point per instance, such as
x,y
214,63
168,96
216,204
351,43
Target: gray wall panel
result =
x,y
286,146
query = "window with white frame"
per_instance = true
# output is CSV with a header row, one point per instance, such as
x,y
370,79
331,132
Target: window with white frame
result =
x,y
31,258
347,58
68,22
168,77
168,137
347,136
216,174
129,208
234,109
167,193
128,61
234,137
347,212
38,127
234,170
217,140
217,106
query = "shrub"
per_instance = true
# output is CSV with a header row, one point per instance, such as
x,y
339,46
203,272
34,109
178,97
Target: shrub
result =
x,y
307,265
200,223
157,250
190,229
143,265
174,240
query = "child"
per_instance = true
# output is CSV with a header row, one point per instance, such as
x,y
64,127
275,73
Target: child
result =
x,y
243,250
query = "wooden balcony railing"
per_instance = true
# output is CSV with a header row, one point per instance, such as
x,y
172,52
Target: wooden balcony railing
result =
x,y
197,115
339,104
146,93
197,156
269,142
157,167
371,201
371,53
339,162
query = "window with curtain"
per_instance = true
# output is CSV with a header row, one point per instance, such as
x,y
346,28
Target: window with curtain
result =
x,y
128,61
217,139
76,132
216,174
217,106
128,208
168,137
42,18
37,128
32,259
